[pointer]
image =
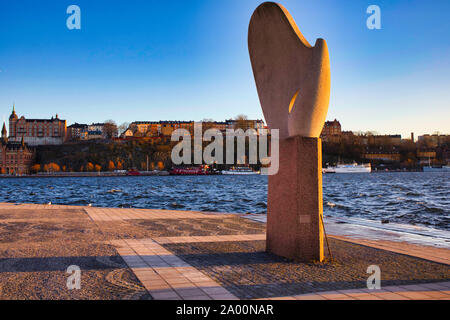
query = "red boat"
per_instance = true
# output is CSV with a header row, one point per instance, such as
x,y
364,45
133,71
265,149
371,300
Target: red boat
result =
x,y
132,172
189,171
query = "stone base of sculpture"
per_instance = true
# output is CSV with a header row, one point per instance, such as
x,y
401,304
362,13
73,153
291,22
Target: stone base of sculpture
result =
x,y
295,208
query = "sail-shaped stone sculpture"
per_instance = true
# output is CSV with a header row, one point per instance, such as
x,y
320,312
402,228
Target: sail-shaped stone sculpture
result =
x,y
293,84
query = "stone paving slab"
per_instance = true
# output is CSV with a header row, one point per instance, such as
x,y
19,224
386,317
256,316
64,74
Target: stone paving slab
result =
x,y
250,237
440,255
165,275
108,214
408,292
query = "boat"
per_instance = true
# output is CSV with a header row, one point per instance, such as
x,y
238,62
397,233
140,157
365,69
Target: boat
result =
x,y
329,170
189,171
349,168
133,172
431,168
155,173
436,169
240,171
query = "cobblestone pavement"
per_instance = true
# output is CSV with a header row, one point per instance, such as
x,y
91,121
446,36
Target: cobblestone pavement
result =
x,y
160,254
37,247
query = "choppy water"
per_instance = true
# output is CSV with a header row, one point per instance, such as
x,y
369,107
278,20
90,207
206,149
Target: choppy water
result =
x,y
411,198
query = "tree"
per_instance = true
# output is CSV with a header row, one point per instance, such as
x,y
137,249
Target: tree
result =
x,y
54,167
123,127
36,168
207,124
89,167
98,168
111,165
242,122
119,165
2,171
110,129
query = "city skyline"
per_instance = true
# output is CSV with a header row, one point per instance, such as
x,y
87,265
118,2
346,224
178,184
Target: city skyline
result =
x,y
404,136
130,62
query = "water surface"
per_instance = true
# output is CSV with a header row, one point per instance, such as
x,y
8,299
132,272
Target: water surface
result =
x,y
415,198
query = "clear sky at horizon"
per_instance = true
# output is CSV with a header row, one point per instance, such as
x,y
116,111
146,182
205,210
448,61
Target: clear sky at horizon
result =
x,y
188,60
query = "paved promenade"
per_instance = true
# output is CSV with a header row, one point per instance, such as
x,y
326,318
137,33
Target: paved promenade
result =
x,y
162,254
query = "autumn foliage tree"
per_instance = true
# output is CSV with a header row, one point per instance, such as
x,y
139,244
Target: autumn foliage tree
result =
x,y
36,168
53,167
119,165
111,165
98,168
89,166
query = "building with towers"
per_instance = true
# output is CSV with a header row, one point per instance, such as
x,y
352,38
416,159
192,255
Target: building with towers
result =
x,y
15,157
36,132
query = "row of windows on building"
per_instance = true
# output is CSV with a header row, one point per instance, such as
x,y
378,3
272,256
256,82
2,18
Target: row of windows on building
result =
x,y
11,157
38,131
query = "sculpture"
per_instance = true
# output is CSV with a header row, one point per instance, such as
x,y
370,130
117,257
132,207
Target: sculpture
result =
x,y
293,84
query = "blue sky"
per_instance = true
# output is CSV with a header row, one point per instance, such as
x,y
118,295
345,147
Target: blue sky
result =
x,y
188,60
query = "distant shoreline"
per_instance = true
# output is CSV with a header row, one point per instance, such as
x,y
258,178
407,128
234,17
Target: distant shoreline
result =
x,y
111,174
83,175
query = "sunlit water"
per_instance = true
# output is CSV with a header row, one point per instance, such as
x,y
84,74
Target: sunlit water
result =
x,y
411,198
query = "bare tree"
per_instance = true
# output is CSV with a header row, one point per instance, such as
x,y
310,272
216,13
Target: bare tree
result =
x,y
207,124
123,127
110,129
241,122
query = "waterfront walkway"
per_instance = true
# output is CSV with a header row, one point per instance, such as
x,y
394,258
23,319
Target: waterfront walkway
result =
x,y
163,254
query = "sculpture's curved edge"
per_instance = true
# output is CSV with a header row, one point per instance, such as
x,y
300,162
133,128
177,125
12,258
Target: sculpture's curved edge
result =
x,y
323,91
288,17
324,80
321,59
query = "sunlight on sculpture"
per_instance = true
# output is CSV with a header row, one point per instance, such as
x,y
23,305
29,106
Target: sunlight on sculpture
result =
x,y
293,83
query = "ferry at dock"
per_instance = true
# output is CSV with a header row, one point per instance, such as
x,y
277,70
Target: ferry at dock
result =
x,y
201,170
240,171
349,168
436,169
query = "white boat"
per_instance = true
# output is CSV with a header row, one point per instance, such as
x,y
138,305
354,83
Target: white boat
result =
x,y
436,169
329,170
349,168
240,171
431,168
